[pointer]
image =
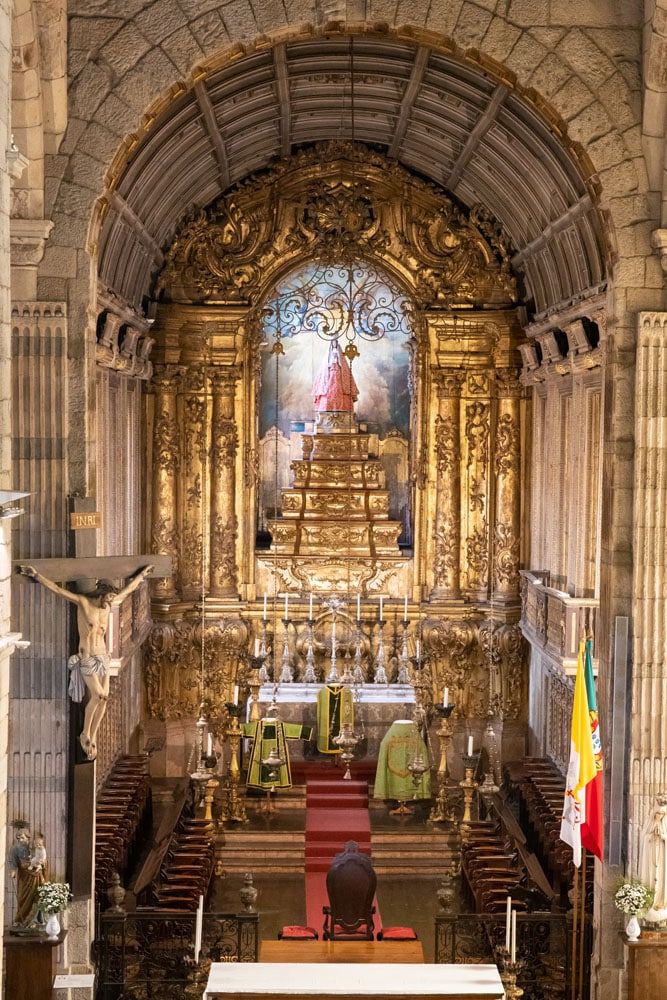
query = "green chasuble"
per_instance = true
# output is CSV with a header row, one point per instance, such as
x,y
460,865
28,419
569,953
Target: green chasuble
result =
x,y
335,705
399,746
269,733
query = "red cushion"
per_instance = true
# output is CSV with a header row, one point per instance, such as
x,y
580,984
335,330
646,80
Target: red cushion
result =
x,y
397,934
296,931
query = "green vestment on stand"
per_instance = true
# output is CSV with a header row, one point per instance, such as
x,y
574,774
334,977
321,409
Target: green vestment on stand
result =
x,y
400,744
265,734
335,705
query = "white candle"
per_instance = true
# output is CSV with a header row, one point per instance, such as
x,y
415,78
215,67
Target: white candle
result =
x,y
236,694
310,607
445,698
209,745
508,921
381,601
419,648
286,604
256,647
405,608
198,927
264,605
513,949
470,746
358,607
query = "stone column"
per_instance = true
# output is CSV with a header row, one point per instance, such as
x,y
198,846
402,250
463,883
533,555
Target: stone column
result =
x,y
507,472
446,570
166,462
648,736
224,524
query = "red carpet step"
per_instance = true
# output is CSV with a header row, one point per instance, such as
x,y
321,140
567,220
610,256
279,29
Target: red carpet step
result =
x,y
336,811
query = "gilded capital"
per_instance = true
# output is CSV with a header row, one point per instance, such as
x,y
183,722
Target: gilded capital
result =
x,y
167,378
508,382
448,382
223,380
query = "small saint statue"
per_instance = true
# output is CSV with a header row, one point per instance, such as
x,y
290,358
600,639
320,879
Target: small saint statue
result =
x,y
90,667
29,868
653,860
334,388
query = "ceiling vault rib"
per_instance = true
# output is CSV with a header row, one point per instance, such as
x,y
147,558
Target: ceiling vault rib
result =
x,y
282,88
482,126
569,216
208,114
409,98
119,204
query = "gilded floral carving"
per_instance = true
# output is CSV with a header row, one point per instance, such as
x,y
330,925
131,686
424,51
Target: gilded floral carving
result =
x,y
506,458
506,555
477,432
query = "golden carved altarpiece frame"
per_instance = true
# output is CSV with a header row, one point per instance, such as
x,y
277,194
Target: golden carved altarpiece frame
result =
x,y
468,426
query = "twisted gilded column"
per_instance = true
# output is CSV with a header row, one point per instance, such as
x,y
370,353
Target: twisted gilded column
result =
x,y
224,524
507,472
446,566
166,461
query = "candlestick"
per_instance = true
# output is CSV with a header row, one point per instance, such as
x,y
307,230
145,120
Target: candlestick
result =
x,y
236,694
199,927
381,601
445,698
310,607
209,745
513,948
470,746
265,605
508,921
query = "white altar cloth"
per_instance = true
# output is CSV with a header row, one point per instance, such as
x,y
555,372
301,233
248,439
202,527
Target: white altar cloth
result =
x,y
273,979
365,694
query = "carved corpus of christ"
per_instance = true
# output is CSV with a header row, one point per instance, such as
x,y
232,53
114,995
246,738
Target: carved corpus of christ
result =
x,y
90,667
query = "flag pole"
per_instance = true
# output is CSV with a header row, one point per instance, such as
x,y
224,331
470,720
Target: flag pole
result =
x,y
582,925
574,949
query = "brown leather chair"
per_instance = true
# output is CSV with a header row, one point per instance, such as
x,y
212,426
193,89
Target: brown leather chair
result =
x,y
351,884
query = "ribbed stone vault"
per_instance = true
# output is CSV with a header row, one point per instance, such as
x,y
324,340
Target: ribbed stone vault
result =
x,y
449,119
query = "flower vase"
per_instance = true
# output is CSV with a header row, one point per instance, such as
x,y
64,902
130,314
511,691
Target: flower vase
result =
x,y
52,927
633,928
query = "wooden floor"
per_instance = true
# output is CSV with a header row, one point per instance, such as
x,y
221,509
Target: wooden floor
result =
x,y
373,952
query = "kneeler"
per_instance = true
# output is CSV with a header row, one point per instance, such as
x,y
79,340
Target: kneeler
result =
x,y
265,734
335,706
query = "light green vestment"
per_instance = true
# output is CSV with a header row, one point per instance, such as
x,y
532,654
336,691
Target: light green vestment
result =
x,y
393,780
265,734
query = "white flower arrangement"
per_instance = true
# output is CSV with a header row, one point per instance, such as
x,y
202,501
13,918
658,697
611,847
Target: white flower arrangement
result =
x,y
633,898
53,897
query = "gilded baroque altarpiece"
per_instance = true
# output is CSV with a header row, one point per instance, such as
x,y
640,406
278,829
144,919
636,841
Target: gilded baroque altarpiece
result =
x,y
467,430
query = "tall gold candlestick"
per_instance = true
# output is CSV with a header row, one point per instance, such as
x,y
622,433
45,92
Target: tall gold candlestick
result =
x,y
441,811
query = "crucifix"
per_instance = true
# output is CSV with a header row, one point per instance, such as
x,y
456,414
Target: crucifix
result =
x,y
97,592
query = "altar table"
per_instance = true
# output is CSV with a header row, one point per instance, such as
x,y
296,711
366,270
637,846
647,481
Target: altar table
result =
x,y
250,981
376,952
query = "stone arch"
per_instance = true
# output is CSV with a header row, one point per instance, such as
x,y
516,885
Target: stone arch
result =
x,y
537,61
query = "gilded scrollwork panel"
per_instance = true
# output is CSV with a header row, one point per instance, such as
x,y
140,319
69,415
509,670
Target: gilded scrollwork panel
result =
x,y
477,433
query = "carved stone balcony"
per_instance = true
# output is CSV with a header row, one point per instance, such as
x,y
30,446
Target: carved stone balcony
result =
x,y
552,621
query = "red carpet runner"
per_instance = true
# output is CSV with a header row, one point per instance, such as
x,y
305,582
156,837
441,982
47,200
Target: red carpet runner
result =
x,y
336,811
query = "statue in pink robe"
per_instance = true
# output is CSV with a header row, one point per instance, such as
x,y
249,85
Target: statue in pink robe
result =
x,y
334,387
